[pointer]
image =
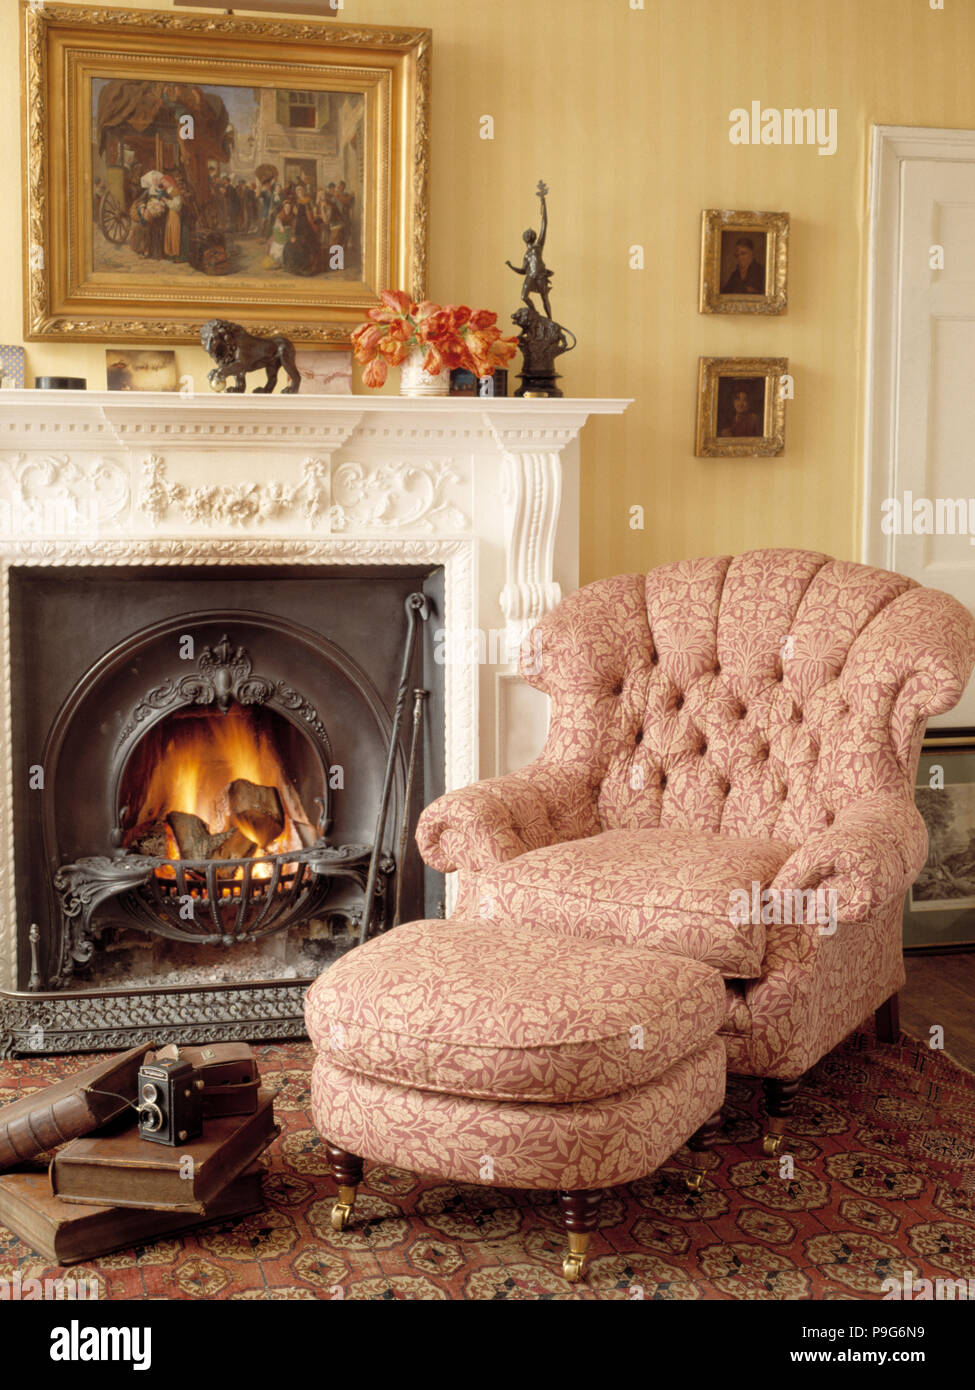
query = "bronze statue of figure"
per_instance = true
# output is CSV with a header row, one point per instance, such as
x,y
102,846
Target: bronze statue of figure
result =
x,y
538,278
541,339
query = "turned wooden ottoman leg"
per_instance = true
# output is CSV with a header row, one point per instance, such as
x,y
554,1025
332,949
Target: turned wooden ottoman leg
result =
x,y
347,1172
580,1211
700,1144
887,1019
780,1101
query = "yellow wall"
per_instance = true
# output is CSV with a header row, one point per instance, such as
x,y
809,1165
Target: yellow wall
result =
x,y
625,114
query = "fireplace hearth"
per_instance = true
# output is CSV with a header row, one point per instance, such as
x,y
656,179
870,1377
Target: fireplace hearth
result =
x,y
211,778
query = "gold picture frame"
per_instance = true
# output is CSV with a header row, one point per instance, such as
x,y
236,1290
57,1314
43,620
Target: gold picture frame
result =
x,y
112,89
741,407
744,262
939,908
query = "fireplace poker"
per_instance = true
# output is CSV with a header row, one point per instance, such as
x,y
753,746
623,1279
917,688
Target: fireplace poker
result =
x,y
417,607
419,696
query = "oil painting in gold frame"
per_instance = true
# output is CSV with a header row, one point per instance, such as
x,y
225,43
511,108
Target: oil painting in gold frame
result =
x,y
180,167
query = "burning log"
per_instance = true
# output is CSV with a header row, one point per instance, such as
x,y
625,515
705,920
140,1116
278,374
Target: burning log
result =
x,y
150,838
255,810
193,838
236,846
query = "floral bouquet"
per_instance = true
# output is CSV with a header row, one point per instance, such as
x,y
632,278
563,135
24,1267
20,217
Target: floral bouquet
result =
x,y
449,337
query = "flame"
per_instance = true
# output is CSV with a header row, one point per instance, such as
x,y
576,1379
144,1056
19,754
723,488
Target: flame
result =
x,y
187,764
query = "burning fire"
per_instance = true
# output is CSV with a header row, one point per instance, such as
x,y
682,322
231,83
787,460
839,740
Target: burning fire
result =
x,y
206,785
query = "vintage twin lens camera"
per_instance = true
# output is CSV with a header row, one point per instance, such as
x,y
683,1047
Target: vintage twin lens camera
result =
x,y
170,1102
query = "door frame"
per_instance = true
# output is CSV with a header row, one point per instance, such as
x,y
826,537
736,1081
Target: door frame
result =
x,y
892,146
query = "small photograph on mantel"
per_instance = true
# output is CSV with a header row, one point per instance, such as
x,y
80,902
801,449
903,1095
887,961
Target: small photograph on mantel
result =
x,y
129,369
324,373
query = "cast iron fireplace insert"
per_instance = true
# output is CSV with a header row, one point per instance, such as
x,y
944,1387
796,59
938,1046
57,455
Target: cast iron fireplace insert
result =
x,y
211,748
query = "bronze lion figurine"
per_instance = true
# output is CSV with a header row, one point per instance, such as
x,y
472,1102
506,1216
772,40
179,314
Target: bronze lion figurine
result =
x,y
237,352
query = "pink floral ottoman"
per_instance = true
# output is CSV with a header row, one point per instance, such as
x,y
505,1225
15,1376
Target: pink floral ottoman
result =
x,y
490,1054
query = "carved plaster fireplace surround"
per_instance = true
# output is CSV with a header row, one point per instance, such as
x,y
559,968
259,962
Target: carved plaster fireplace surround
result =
x,y
474,502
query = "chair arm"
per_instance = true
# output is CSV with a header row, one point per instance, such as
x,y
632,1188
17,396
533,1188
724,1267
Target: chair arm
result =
x,y
498,819
871,854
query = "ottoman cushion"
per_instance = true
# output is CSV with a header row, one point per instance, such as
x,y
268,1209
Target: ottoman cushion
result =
x,y
596,1143
498,1012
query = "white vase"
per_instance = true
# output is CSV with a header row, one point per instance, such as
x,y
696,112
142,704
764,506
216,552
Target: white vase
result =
x,y
414,381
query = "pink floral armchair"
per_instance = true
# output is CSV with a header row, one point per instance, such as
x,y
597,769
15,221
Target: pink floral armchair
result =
x,y
728,776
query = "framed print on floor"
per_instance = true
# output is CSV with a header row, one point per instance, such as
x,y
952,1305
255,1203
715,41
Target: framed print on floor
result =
x,y
939,913
180,167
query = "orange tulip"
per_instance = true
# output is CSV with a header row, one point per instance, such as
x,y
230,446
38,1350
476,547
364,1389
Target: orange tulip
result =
x,y
366,340
376,372
401,330
434,327
433,362
394,351
397,300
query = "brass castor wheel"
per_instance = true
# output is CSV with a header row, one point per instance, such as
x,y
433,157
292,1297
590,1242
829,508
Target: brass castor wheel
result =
x,y
341,1216
342,1211
574,1267
574,1264
771,1145
694,1181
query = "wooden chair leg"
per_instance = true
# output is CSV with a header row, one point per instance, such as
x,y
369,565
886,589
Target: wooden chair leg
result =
x,y
701,1143
347,1172
888,1021
780,1101
580,1212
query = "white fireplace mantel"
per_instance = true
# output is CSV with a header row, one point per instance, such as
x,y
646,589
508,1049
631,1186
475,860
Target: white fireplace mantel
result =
x,y
487,488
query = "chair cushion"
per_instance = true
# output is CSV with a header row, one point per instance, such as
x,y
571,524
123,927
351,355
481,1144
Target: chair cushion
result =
x,y
495,1011
666,889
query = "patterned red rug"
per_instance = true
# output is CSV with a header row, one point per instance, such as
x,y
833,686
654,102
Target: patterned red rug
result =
x,y
883,1144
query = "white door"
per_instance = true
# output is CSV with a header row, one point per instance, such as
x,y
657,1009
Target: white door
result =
x,y
921,380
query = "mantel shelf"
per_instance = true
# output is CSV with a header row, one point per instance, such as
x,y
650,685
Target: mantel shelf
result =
x,y
168,400
144,420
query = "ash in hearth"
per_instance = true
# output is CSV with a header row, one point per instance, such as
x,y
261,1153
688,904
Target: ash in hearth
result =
x,y
133,961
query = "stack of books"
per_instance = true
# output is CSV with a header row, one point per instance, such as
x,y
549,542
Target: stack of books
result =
x,y
107,1188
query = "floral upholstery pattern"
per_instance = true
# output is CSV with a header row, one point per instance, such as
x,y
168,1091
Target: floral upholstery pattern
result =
x,y
498,819
666,889
490,1011
597,1143
776,696
869,856
813,986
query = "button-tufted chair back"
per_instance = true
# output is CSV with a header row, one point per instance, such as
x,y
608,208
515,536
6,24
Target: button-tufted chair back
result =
x,y
755,696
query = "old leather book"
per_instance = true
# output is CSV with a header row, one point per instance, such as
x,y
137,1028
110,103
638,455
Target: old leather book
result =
x,y
65,1232
72,1108
120,1169
238,1099
219,1064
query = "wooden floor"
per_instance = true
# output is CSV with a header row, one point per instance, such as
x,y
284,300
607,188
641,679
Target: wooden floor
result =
x,y
941,990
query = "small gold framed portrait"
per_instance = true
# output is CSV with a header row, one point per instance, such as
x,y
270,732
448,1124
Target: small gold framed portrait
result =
x,y
744,262
741,406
